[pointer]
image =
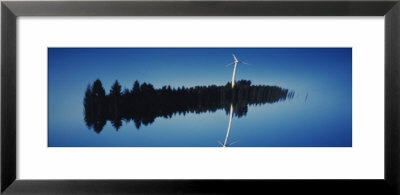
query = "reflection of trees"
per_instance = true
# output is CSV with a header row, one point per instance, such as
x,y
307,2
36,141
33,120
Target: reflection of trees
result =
x,y
95,106
142,104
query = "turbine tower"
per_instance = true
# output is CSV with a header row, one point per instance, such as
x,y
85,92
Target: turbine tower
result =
x,y
227,132
235,62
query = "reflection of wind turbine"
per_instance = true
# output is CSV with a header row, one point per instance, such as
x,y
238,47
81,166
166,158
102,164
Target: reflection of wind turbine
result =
x,y
235,62
229,128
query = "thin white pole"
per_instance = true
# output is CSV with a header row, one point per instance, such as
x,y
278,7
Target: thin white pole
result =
x,y
229,126
231,110
233,76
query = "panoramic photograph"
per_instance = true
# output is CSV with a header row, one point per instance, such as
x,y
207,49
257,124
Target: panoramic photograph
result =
x,y
199,97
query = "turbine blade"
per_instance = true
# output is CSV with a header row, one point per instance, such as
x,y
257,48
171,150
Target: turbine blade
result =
x,y
233,143
234,57
245,63
230,64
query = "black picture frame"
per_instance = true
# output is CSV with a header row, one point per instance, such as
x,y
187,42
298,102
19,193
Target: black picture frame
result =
x,y
11,10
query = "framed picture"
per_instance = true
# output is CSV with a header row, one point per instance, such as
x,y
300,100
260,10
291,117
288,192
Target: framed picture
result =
x,y
143,104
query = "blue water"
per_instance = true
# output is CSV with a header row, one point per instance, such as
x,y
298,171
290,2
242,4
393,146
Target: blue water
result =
x,y
319,115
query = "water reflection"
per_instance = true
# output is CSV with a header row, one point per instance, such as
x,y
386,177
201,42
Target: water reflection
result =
x,y
229,128
142,104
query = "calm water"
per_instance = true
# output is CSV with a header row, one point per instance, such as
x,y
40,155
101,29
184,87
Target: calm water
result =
x,y
319,114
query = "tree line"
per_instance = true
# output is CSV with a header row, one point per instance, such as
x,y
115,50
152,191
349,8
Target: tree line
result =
x,y
143,103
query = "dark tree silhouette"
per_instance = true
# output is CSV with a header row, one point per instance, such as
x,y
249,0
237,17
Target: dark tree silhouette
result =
x,y
96,106
88,104
114,103
143,103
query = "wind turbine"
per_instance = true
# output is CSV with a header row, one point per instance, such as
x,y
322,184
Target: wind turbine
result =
x,y
229,129
235,62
